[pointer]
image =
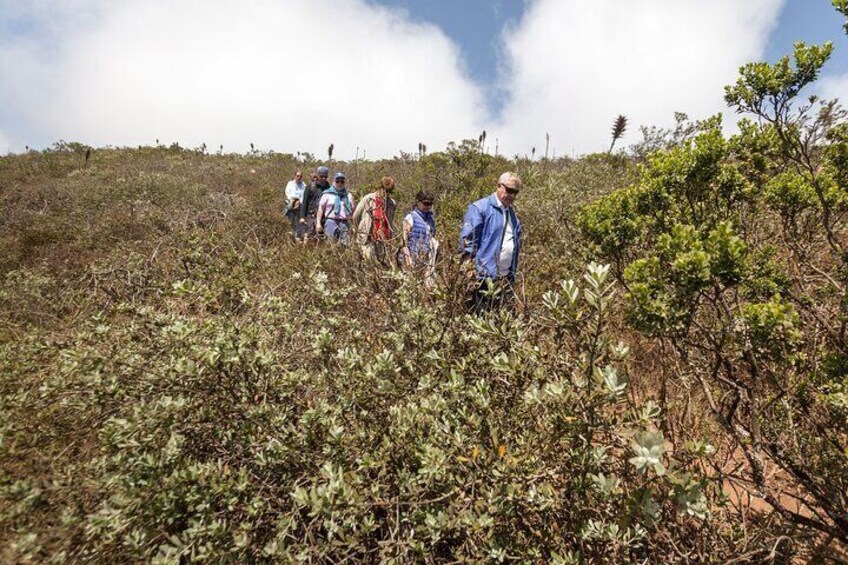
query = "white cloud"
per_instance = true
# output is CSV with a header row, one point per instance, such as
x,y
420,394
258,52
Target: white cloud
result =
x,y
5,143
294,75
576,64
831,87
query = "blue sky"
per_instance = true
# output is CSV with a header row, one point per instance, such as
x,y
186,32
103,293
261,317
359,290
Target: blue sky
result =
x,y
478,27
812,21
380,76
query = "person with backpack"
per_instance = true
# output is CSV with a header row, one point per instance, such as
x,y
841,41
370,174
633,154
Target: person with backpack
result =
x,y
420,246
334,211
309,206
373,221
491,238
294,196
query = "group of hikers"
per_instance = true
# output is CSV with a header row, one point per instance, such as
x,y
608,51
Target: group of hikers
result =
x,y
490,236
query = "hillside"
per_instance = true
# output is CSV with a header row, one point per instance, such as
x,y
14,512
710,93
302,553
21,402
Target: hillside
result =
x,y
180,380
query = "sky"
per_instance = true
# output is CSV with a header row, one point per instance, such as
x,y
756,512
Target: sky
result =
x,y
376,77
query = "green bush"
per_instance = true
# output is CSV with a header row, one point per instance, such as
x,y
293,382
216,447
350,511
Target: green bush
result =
x,y
733,252
254,434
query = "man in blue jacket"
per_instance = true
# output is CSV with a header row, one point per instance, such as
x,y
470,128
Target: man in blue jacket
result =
x,y
491,237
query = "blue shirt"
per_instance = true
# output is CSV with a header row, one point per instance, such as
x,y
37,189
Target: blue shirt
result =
x,y
482,235
423,228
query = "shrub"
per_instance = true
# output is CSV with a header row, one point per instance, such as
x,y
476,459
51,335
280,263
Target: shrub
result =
x,y
735,258
254,434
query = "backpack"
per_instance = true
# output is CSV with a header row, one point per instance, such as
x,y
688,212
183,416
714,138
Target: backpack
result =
x,y
380,218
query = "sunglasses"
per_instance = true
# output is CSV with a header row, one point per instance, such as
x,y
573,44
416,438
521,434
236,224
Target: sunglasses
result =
x,y
340,181
322,176
510,190
427,202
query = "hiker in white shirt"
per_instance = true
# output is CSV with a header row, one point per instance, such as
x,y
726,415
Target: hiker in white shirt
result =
x,y
294,195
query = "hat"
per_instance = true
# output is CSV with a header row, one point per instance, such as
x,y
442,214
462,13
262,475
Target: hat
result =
x,y
338,176
323,171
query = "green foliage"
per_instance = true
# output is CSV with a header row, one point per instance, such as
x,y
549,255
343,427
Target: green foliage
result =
x,y
240,437
612,222
727,253
649,448
842,7
790,194
771,327
762,88
836,157
665,287
691,184
182,382
733,252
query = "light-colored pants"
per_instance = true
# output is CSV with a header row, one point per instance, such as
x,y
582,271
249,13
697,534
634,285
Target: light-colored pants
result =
x,y
337,230
425,263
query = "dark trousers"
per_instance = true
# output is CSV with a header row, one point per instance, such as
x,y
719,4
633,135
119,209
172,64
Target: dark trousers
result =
x,y
490,294
307,230
292,217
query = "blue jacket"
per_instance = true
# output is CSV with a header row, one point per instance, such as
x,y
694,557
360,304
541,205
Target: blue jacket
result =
x,y
482,235
423,228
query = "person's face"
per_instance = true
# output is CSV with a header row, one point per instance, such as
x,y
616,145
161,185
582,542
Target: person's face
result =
x,y
425,205
323,179
298,176
340,183
507,194
314,178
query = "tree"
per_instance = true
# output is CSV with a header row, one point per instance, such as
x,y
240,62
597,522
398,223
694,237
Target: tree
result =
x,y
734,255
